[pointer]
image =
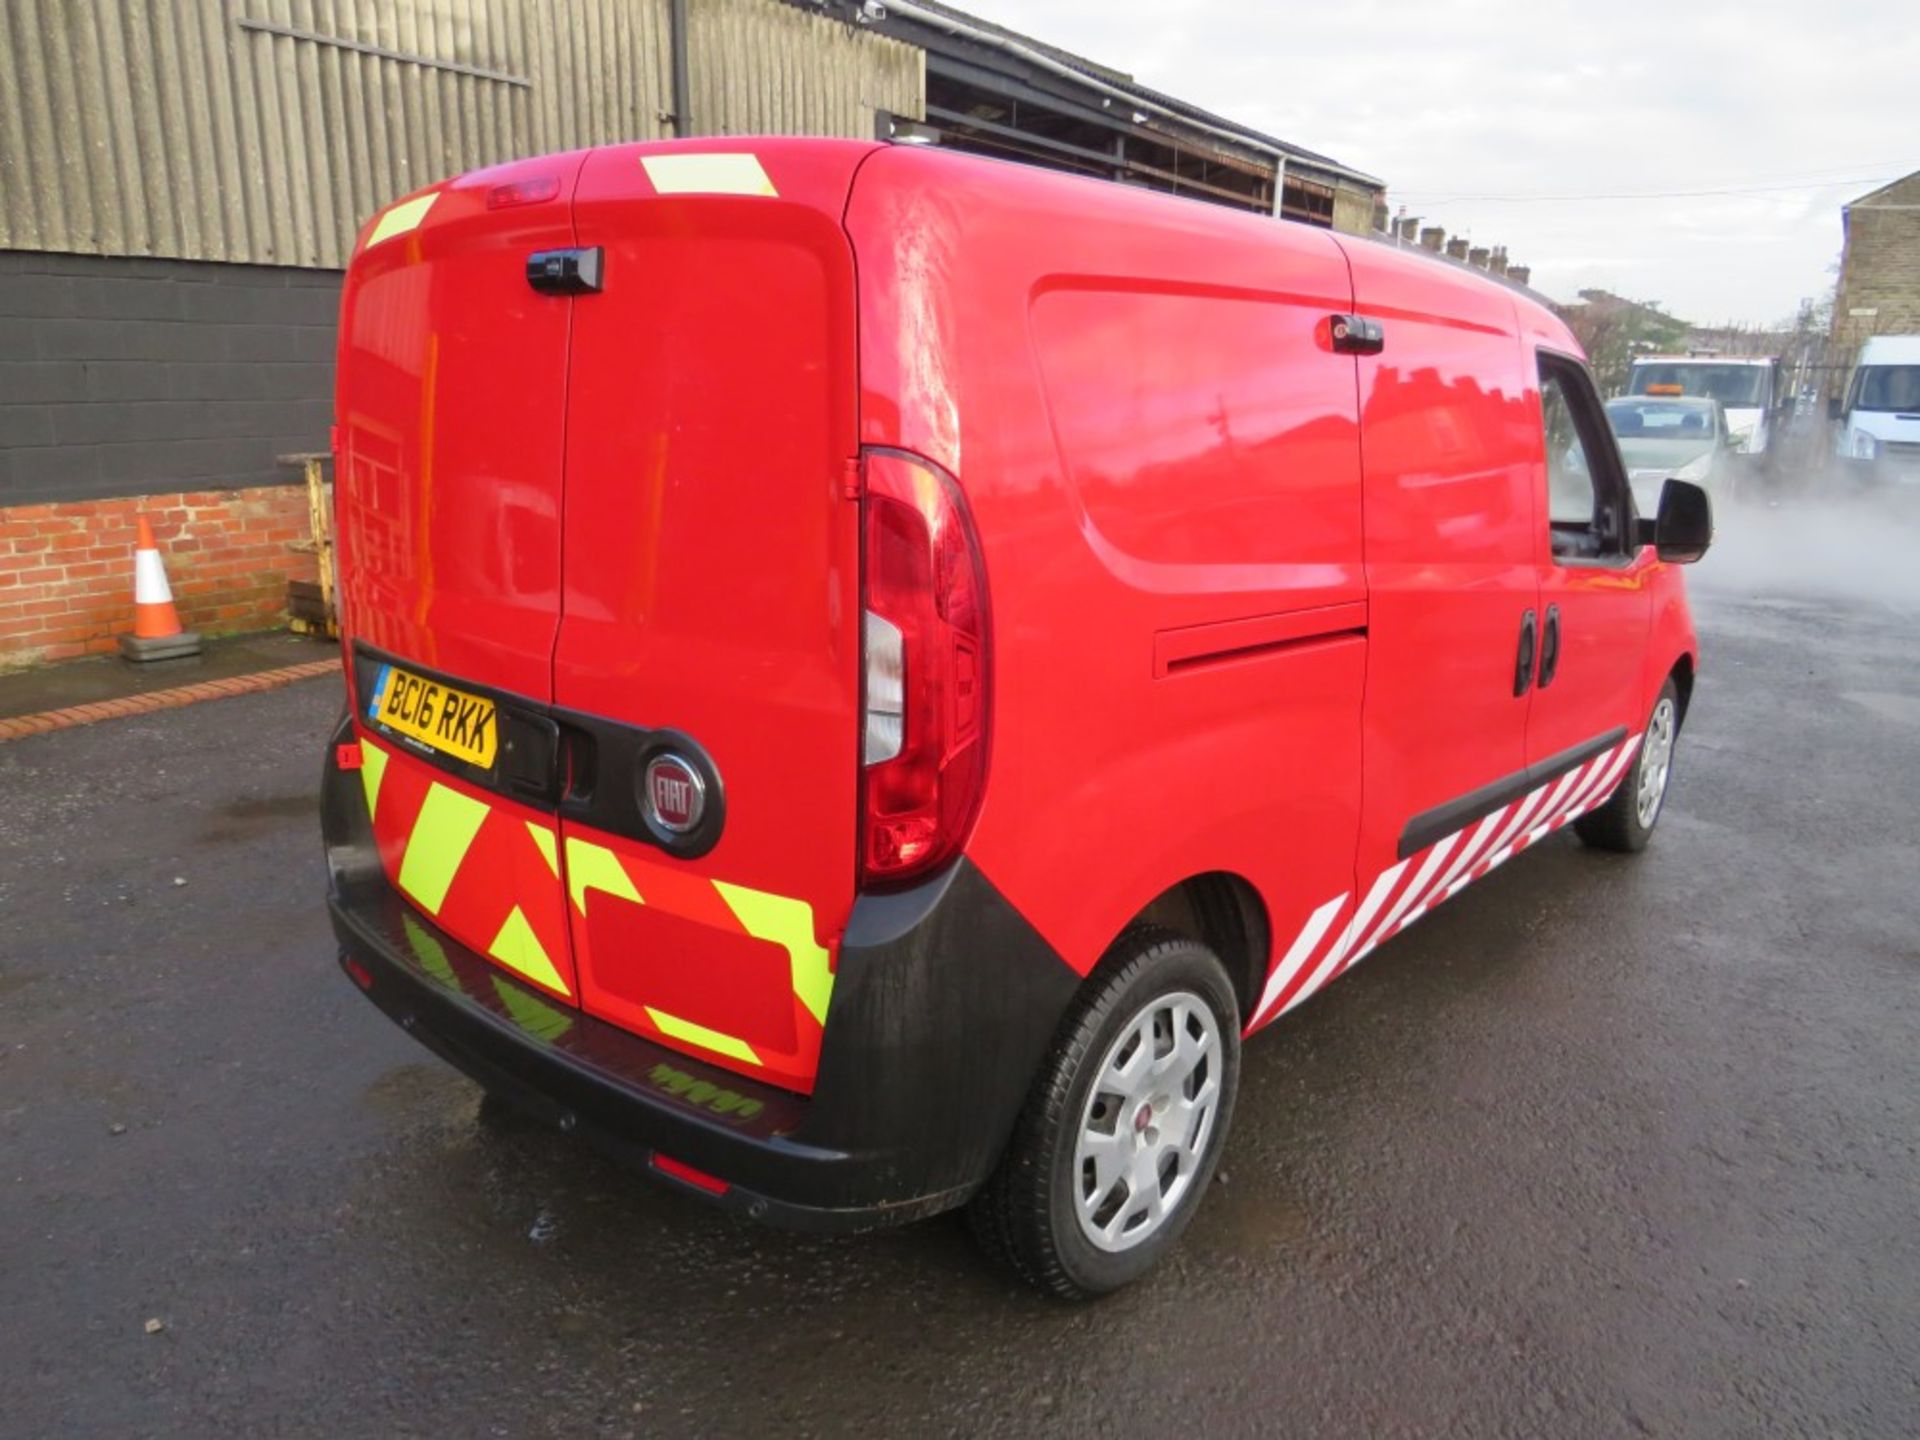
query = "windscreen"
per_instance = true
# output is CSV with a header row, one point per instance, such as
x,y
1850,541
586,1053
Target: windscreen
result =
x,y
1739,387
1887,388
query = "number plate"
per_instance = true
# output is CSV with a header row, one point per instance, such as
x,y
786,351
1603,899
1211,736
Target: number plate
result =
x,y
438,716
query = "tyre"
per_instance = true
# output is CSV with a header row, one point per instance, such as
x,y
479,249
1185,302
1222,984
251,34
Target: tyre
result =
x,y
1626,821
1119,1139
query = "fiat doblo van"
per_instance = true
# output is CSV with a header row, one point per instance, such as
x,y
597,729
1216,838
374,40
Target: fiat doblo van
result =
x,y
871,671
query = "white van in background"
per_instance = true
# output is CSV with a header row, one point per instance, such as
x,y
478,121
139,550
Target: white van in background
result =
x,y
1747,387
1880,415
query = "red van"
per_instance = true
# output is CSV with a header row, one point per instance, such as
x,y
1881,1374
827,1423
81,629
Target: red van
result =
x,y
871,671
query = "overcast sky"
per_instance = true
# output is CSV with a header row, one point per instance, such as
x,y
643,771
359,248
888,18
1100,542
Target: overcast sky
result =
x,y
1811,104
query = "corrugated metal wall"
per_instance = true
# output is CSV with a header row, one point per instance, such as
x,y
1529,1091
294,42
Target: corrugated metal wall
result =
x,y
789,72
217,130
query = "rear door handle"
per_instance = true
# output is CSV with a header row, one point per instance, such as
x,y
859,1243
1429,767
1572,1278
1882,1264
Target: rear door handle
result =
x,y
1550,647
565,272
1523,662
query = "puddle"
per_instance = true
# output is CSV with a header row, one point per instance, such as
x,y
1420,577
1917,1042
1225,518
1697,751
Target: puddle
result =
x,y
249,819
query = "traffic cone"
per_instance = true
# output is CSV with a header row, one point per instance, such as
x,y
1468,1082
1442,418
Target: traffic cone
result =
x,y
156,624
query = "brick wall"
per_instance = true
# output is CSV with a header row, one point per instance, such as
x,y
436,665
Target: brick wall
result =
x,y
1879,271
66,569
140,377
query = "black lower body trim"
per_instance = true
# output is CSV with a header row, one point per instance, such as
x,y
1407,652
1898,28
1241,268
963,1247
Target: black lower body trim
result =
x,y
1443,820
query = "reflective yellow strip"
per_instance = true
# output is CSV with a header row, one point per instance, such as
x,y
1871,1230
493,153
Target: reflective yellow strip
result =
x,y
446,827
707,175
699,1035
401,218
518,948
530,1012
543,837
373,769
594,867
788,923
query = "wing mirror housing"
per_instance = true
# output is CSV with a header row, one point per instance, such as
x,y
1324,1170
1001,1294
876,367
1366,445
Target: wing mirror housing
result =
x,y
1682,531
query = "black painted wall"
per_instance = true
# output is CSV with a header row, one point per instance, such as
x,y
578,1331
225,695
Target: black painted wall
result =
x,y
134,377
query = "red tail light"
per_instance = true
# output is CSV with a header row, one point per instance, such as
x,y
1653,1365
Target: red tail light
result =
x,y
925,662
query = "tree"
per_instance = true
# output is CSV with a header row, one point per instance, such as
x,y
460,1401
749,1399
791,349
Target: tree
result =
x,y
1613,330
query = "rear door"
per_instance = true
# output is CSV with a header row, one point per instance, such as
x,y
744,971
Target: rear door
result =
x,y
450,412
706,675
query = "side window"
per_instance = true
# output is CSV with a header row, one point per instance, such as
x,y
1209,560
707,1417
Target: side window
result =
x,y
1586,511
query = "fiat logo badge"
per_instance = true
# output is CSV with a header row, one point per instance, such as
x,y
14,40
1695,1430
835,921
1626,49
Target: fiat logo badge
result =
x,y
675,795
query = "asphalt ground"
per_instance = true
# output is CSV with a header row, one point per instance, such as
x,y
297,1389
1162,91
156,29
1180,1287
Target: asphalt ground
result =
x,y
1606,1146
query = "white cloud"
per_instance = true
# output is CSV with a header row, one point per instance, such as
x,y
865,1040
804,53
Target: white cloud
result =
x,y
1457,98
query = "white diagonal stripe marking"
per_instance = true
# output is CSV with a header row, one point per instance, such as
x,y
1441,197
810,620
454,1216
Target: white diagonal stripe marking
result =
x,y
1297,954
1416,889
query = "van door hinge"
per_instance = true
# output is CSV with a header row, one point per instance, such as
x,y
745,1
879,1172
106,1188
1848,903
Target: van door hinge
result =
x,y
850,479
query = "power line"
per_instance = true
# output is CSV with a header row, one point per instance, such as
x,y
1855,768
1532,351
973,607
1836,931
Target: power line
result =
x,y
1429,199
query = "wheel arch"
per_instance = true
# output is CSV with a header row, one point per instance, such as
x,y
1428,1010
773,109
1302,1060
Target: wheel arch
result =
x,y
1682,676
1224,912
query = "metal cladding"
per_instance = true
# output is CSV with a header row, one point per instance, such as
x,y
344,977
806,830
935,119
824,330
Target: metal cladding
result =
x,y
266,131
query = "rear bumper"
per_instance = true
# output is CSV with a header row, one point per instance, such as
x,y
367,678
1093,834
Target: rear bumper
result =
x,y
945,1000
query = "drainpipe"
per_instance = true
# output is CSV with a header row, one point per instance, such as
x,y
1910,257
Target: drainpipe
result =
x,y
682,91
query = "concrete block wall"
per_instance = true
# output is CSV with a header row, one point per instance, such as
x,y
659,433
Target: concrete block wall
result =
x,y
137,377
66,569
157,387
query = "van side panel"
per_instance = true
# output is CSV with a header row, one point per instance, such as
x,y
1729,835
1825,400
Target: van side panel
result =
x,y
1161,452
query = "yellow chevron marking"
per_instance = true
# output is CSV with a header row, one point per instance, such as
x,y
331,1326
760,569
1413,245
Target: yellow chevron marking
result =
x,y
699,1035
734,174
595,867
518,948
447,824
788,923
543,837
373,769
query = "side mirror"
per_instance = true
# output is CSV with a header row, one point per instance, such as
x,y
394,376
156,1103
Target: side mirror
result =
x,y
1836,409
1684,527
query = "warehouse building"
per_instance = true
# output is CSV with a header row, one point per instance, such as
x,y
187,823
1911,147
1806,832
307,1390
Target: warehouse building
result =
x,y
181,182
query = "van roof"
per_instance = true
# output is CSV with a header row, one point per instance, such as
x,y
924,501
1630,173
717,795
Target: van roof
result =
x,y
1891,350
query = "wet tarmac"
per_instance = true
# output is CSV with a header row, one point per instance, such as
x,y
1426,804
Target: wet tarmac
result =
x,y
1605,1147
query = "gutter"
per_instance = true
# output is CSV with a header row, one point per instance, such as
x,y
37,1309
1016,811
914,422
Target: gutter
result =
x,y
1008,45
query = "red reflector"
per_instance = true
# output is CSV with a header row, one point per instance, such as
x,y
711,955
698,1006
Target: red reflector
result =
x,y
361,976
680,1170
523,192
347,756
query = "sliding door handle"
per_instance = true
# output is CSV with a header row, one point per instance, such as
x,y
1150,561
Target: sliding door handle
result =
x,y
1550,647
1523,662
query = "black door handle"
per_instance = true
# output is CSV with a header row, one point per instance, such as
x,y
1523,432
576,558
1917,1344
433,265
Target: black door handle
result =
x,y
1523,662
1550,647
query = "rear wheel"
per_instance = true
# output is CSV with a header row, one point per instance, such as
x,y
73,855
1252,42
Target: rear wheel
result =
x,y
1120,1137
1626,821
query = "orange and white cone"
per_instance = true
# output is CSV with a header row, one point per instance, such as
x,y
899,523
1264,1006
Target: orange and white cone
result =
x,y
157,634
